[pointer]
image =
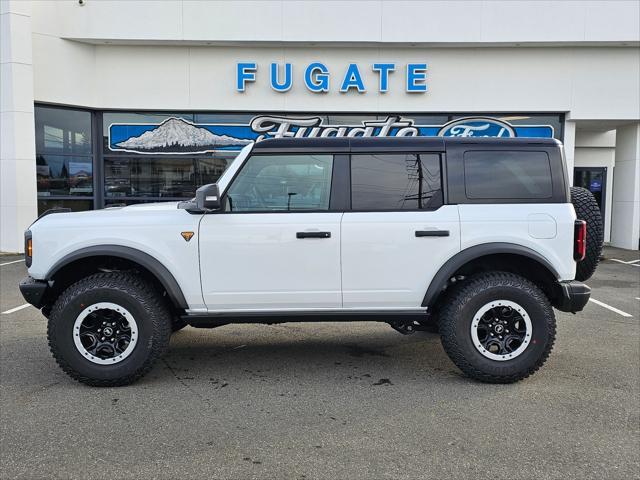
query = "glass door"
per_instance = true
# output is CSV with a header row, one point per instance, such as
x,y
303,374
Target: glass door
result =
x,y
593,179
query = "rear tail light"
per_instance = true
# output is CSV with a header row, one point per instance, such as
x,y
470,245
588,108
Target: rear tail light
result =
x,y
580,240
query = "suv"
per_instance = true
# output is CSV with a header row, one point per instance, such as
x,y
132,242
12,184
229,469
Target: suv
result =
x,y
477,238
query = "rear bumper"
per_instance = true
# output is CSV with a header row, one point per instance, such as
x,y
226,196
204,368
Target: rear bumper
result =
x,y
574,297
33,291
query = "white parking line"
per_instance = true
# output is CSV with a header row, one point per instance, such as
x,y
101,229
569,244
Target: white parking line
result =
x,y
633,263
609,307
17,308
9,263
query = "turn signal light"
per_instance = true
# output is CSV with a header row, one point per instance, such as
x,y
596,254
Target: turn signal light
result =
x,y
580,236
28,248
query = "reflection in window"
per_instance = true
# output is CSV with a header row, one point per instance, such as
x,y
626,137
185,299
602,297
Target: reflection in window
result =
x,y
282,183
63,131
62,175
149,177
45,204
395,182
210,169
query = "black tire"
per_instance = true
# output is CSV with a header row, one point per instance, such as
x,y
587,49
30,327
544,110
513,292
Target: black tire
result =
x,y
587,209
467,299
131,292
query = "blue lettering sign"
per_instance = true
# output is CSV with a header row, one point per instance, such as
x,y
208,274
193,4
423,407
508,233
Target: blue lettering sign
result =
x,y
383,69
246,72
275,84
316,77
416,77
352,79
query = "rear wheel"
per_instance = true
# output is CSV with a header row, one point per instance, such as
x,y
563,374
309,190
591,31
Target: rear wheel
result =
x,y
109,329
587,209
498,327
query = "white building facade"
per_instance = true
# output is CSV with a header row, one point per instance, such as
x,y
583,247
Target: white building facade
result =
x,y
107,102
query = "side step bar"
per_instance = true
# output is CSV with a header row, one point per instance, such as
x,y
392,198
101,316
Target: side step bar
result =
x,y
212,320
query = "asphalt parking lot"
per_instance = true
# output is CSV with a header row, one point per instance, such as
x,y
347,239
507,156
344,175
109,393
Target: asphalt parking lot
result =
x,y
339,401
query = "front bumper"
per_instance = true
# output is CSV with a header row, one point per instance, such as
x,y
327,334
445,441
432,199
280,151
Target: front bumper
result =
x,y
574,296
34,290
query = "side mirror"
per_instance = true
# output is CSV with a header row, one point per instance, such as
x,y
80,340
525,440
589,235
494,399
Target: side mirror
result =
x,y
208,197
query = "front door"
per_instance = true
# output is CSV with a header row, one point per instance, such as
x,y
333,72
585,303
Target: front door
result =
x,y
398,233
276,245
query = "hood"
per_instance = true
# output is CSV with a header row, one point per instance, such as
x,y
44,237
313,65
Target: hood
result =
x,y
108,214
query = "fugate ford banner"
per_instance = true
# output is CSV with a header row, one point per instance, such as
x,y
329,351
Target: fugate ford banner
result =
x,y
179,136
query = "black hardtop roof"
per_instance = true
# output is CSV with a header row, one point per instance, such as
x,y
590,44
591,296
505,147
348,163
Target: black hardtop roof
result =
x,y
345,144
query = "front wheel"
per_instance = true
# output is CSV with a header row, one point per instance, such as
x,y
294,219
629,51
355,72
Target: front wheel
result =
x,y
108,329
498,327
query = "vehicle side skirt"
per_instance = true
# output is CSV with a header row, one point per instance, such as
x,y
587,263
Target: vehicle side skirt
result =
x,y
211,320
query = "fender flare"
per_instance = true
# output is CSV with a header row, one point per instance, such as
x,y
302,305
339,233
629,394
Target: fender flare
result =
x,y
463,257
157,269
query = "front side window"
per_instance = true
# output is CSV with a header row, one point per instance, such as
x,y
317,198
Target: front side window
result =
x,y
283,183
395,182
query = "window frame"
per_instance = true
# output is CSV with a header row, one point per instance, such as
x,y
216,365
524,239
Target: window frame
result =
x,y
443,176
337,193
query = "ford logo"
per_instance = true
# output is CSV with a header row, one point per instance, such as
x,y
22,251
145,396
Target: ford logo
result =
x,y
477,127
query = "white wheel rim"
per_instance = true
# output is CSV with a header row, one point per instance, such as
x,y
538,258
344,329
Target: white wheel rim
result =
x,y
499,328
79,333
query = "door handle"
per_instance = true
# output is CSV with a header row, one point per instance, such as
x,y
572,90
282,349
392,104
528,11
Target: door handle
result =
x,y
313,234
432,233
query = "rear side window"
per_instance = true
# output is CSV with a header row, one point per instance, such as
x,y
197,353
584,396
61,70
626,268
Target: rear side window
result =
x,y
507,174
395,182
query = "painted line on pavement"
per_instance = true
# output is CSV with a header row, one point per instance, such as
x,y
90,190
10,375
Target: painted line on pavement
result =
x,y
609,307
631,262
9,263
16,309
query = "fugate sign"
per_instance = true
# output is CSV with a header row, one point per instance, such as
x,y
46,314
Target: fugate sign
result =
x,y
317,77
176,136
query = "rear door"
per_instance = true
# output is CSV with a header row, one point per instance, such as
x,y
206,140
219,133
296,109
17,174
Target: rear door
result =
x,y
398,232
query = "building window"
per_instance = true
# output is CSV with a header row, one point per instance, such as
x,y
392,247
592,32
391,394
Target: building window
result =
x,y
64,160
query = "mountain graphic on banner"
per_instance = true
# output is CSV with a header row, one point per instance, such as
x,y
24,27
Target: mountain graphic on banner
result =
x,y
178,134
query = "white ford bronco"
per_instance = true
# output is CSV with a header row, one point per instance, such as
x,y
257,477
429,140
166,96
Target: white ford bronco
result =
x,y
477,238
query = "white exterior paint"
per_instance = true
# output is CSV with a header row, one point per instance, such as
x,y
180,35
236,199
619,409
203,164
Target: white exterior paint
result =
x,y
529,225
151,228
18,205
384,264
626,196
369,260
580,58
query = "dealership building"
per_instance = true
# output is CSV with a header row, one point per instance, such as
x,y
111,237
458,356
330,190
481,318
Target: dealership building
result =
x,y
108,103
